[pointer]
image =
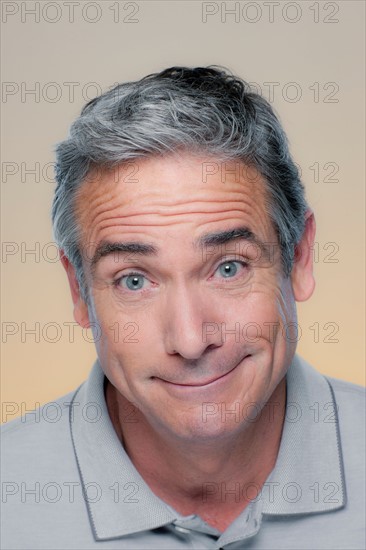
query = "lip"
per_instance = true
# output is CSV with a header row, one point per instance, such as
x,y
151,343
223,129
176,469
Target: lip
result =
x,y
207,383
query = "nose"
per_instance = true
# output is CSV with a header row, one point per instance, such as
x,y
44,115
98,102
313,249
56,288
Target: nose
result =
x,y
187,314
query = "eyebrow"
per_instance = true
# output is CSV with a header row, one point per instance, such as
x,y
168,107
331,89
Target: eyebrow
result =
x,y
106,248
223,237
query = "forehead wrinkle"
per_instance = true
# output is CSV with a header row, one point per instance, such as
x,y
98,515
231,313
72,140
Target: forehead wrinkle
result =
x,y
200,208
101,231
201,195
161,220
104,203
88,208
115,190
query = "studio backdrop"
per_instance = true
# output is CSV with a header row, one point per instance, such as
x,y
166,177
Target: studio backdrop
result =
x,y
305,57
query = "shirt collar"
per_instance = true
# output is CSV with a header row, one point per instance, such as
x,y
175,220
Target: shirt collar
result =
x,y
307,478
118,500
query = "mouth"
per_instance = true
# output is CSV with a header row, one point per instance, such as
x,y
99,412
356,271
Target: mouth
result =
x,y
205,383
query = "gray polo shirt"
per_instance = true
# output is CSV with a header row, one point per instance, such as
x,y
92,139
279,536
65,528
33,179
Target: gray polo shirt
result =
x,y
67,482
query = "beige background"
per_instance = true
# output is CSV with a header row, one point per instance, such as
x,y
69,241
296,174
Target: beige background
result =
x,y
317,62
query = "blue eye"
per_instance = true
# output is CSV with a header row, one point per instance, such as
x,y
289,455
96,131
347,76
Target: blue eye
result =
x,y
134,281
229,269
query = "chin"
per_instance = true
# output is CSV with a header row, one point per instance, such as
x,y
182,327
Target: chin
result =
x,y
196,428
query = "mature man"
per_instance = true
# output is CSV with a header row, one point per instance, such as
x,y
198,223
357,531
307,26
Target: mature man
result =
x,y
186,239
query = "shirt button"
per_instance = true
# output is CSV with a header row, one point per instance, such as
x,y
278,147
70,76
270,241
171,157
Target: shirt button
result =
x,y
181,529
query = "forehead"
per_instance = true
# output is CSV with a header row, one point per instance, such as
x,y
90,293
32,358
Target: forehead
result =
x,y
155,194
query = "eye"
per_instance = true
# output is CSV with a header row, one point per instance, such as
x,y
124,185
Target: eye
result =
x,y
131,281
230,268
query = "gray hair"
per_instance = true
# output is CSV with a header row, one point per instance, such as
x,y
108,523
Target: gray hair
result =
x,y
198,110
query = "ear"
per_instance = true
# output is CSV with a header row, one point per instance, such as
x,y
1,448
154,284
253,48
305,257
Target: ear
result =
x,y
302,278
81,314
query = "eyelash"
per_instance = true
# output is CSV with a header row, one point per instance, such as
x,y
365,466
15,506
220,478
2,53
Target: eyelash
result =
x,y
116,283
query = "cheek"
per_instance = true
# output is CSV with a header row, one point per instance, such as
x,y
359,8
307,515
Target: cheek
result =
x,y
267,314
122,339
265,301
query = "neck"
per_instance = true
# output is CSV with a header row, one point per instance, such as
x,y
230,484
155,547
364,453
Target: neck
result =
x,y
213,477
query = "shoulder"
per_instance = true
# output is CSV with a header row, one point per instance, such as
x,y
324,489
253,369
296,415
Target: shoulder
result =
x,y
40,476
38,437
351,396
51,412
343,388
344,405
351,401
48,411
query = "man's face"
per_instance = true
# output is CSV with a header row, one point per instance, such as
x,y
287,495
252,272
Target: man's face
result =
x,y
189,327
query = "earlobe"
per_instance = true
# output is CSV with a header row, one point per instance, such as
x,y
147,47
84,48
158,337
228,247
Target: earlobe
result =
x,y
302,278
81,314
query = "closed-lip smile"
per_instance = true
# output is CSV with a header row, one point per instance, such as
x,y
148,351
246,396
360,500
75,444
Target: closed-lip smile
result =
x,y
201,384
